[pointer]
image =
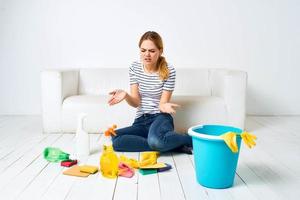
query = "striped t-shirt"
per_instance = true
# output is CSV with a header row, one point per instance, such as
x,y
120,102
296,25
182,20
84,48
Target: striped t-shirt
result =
x,y
150,87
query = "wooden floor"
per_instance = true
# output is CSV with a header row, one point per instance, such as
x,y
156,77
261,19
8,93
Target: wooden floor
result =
x,y
269,171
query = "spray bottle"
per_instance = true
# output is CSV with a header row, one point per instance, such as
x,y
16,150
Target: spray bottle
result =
x,y
109,160
82,138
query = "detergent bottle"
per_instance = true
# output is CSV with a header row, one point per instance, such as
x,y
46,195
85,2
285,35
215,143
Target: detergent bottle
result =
x,y
53,154
109,160
82,138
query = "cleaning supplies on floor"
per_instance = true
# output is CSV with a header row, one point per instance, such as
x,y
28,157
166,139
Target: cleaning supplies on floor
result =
x,y
133,163
125,170
81,171
106,139
75,171
147,171
154,166
148,158
248,139
82,138
88,169
53,154
109,162
230,140
148,163
68,163
111,166
166,168
111,131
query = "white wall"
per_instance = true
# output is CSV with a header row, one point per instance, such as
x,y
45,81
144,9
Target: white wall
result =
x,y
258,36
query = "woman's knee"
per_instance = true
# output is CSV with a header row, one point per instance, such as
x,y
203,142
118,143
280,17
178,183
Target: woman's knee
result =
x,y
165,117
156,144
162,124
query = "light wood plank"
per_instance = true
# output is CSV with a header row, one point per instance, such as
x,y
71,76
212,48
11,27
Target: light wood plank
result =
x,y
148,187
95,186
16,127
15,152
48,174
254,182
92,186
280,144
271,170
10,183
187,174
276,173
169,182
127,187
61,185
250,169
240,190
18,132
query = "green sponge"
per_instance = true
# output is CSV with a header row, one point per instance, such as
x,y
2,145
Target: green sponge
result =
x,y
147,171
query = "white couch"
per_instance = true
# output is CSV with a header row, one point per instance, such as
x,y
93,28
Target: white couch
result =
x,y
206,96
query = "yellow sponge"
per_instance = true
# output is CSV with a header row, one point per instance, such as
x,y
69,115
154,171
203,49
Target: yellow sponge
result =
x,y
74,171
88,169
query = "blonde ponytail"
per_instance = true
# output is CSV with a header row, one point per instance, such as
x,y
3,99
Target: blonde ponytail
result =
x,y
162,67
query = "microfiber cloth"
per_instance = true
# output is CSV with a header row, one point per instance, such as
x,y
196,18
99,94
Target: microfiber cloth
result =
x,y
129,161
230,139
248,139
148,158
125,170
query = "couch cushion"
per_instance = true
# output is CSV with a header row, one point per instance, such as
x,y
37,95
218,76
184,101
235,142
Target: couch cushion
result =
x,y
199,110
192,82
99,114
102,81
189,81
193,111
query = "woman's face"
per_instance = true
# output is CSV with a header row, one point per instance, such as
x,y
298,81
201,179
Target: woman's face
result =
x,y
149,53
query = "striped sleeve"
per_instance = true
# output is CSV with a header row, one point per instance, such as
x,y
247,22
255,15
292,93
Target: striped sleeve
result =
x,y
169,84
132,75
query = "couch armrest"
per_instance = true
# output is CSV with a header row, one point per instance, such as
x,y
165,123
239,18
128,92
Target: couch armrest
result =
x,y
231,85
56,86
235,97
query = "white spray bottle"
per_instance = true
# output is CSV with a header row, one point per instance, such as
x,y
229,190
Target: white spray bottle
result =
x,y
82,138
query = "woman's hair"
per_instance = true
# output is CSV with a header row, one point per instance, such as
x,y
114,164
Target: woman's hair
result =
x,y
162,67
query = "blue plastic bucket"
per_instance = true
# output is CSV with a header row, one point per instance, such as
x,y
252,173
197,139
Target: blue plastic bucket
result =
x,y
215,163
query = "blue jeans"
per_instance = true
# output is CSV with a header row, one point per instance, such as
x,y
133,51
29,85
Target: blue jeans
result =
x,y
150,132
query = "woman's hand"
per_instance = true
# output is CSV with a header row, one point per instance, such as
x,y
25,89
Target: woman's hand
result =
x,y
168,107
117,97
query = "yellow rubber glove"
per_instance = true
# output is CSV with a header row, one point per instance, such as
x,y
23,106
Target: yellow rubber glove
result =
x,y
248,139
230,140
148,158
129,161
